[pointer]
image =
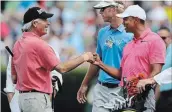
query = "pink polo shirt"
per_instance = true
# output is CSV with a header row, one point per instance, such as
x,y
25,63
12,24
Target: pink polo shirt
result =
x,y
138,55
32,63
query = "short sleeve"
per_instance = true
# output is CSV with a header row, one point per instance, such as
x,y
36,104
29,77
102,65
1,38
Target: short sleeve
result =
x,y
98,48
164,77
157,52
48,57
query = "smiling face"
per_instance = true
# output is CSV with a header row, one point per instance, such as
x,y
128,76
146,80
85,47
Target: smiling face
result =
x,y
41,26
132,23
129,23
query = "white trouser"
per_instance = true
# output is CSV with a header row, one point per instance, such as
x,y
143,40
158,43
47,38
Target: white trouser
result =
x,y
14,104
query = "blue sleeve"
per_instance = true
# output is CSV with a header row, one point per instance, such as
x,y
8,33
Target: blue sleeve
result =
x,y
98,48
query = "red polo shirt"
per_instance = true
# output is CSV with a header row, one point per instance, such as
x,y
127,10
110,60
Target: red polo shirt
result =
x,y
32,63
138,55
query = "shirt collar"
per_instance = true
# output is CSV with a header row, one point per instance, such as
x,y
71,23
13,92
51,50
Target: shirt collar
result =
x,y
121,28
143,35
30,34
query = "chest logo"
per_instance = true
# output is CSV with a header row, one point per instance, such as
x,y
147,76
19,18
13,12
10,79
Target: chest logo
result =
x,y
109,43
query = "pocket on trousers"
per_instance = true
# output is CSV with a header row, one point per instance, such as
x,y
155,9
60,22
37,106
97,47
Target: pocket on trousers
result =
x,y
30,104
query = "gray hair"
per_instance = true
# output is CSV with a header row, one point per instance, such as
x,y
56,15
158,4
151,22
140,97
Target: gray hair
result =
x,y
26,27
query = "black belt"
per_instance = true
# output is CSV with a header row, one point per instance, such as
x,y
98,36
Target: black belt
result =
x,y
32,91
109,85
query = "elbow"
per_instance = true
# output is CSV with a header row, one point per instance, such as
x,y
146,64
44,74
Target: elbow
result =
x,y
14,79
61,69
117,76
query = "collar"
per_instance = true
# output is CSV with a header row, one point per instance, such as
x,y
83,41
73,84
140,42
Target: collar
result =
x,y
121,28
143,35
30,34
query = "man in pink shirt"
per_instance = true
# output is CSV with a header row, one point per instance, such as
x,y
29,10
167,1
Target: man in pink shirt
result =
x,y
145,54
33,61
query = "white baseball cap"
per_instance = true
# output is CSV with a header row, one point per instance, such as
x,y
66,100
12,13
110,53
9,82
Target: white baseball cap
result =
x,y
107,3
134,11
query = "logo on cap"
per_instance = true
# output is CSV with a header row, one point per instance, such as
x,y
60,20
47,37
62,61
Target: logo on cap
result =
x,y
40,11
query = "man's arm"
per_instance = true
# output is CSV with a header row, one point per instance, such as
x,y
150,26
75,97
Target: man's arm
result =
x,y
155,69
92,71
81,94
13,72
113,72
73,63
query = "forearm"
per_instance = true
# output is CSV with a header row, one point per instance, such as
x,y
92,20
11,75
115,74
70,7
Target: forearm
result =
x,y
10,96
157,92
14,79
113,72
91,73
155,69
69,65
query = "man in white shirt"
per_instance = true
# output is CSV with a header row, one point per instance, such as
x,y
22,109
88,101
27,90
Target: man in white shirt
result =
x,y
163,79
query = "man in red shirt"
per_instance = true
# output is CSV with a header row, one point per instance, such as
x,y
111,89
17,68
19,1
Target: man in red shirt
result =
x,y
145,54
33,61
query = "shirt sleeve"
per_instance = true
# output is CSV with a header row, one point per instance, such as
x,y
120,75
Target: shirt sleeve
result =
x,y
157,52
165,77
48,57
98,48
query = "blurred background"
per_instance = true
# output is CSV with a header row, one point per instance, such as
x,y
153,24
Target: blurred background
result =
x,y
73,30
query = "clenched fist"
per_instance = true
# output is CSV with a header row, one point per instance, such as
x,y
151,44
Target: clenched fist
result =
x,y
88,56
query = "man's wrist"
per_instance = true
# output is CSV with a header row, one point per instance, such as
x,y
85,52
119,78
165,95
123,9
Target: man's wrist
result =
x,y
152,80
86,57
101,65
85,83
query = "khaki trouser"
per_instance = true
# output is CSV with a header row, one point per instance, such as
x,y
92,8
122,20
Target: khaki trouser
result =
x,y
34,102
103,95
14,105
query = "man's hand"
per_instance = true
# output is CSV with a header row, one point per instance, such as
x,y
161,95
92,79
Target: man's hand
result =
x,y
97,59
81,95
88,56
10,96
142,84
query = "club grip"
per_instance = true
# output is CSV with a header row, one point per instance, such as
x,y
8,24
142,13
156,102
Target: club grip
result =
x,y
8,49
